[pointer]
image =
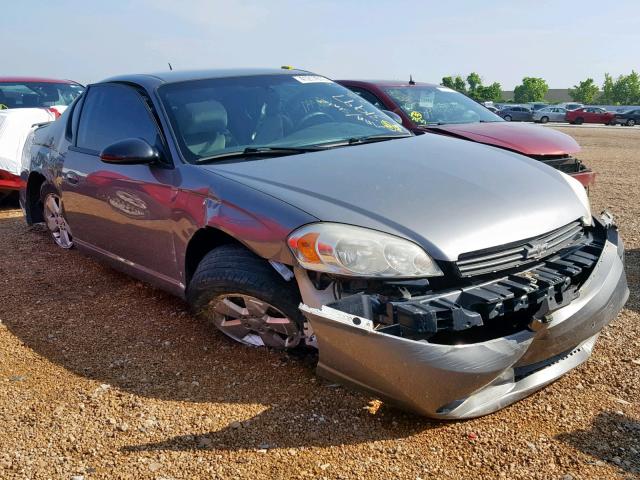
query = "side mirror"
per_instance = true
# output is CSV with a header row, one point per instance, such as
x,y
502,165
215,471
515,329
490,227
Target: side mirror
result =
x,y
132,151
394,116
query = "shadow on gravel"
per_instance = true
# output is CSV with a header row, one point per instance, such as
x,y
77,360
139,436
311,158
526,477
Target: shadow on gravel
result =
x,y
285,426
613,437
632,266
104,326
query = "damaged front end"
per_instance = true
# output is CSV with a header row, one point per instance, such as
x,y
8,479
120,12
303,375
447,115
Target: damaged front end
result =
x,y
512,321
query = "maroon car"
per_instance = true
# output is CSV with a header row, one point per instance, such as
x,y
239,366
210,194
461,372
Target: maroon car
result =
x,y
425,107
590,115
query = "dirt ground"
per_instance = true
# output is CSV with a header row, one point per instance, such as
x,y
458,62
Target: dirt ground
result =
x,y
102,376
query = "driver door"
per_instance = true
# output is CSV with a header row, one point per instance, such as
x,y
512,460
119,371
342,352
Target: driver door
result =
x,y
122,212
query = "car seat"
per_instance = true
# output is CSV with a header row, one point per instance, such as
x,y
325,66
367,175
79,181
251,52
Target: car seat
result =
x,y
203,126
272,124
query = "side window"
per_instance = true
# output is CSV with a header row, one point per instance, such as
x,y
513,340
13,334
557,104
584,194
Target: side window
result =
x,y
114,112
368,96
72,126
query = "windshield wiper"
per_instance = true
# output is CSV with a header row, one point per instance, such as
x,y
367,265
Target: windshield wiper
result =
x,y
361,140
258,152
375,138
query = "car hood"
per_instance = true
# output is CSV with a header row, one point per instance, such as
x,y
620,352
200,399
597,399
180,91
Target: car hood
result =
x,y
519,137
448,195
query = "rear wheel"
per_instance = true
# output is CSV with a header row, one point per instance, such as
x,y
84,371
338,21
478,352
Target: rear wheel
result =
x,y
544,119
246,299
631,122
507,118
53,213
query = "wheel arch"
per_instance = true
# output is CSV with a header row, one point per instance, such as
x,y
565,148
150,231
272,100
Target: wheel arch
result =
x,y
33,202
202,242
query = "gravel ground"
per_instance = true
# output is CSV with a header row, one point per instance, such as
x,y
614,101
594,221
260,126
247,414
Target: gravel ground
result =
x,y
102,376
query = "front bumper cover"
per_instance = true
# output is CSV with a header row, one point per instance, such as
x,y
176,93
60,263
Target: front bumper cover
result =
x,y
473,379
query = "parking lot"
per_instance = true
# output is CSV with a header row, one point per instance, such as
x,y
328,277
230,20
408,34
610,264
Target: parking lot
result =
x,y
104,377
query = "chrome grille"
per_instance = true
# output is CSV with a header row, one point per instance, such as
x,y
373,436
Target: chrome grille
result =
x,y
513,255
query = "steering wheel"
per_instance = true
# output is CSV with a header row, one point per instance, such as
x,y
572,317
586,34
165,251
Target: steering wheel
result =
x,y
320,117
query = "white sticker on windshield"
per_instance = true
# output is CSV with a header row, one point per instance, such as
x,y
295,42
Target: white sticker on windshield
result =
x,y
311,79
445,89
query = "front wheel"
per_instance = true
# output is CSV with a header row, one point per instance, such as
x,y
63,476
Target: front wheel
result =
x,y
631,122
246,299
507,118
544,119
579,121
53,213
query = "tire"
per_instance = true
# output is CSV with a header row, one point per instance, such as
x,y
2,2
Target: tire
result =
x,y
229,280
579,121
631,122
54,217
507,118
544,119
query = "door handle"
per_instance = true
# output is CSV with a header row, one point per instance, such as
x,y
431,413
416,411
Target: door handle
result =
x,y
72,178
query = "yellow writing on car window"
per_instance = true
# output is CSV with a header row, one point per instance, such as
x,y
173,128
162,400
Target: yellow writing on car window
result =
x,y
391,126
416,117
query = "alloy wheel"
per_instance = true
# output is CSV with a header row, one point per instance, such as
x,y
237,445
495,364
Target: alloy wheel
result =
x,y
252,321
631,122
56,223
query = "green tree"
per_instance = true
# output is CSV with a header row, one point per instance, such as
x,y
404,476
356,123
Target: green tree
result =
x,y
491,93
607,89
533,89
585,92
475,90
624,90
474,81
455,83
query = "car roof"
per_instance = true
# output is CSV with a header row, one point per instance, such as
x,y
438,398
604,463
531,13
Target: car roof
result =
x,y
34,79
176,76
390,83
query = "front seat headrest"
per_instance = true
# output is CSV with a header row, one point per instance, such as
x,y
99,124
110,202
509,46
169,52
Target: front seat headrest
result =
x,y
205,117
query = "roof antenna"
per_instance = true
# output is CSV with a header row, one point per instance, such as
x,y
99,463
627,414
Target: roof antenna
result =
x,y
170,67
411,82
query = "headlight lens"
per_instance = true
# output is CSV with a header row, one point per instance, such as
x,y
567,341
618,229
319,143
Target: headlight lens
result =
x,y
357,251
581,193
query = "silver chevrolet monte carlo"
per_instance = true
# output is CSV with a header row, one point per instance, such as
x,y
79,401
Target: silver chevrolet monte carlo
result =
x,y
447,277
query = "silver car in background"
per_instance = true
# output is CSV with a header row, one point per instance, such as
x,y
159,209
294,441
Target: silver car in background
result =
x,y
550,114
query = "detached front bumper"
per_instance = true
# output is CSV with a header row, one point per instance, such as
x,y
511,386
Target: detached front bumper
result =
x,y
455,381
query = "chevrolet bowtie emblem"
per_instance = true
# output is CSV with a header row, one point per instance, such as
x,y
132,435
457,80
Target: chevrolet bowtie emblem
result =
x,y
535,250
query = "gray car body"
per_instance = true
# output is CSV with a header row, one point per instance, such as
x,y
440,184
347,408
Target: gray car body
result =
x,y
552,114
447,195
516,113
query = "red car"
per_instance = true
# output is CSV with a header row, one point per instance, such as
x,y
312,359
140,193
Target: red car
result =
x,y
22,93
590,115
424,107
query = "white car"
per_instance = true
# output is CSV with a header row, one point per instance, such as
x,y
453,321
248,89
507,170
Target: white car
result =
x,y
549,114
25,102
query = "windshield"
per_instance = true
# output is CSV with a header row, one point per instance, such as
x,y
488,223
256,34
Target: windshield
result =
x,y
439,105
216,116
37,94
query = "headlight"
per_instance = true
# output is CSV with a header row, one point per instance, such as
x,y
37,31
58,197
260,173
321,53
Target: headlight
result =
x,y
360,252
581,193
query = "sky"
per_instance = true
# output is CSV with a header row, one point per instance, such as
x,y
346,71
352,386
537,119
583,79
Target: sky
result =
x,y
563,42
